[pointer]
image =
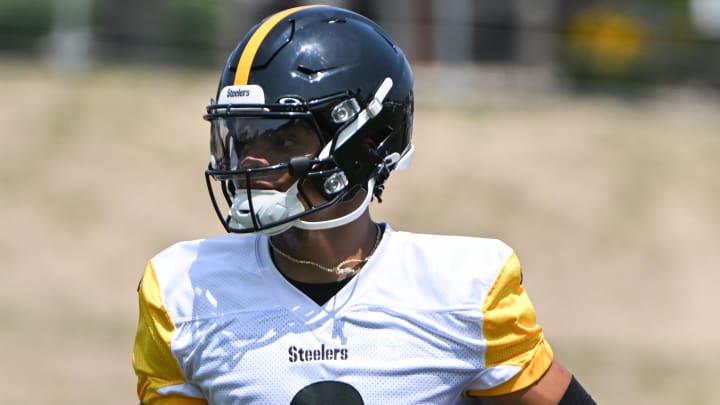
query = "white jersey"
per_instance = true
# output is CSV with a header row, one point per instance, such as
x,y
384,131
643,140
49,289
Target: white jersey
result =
x,y
428,320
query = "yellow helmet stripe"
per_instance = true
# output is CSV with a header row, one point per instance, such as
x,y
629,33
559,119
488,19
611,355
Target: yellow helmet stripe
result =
x,y
242,74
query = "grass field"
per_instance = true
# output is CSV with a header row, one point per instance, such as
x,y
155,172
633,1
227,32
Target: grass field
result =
x,y
611,204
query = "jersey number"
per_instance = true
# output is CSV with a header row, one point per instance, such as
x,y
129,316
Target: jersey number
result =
x,y
327,393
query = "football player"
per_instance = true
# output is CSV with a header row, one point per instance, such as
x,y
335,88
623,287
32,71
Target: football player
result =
x,y
307,300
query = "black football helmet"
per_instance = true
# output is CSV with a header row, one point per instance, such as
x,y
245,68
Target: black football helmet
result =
x,y
330,93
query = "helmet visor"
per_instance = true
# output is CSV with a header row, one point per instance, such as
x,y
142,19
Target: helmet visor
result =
x,y
239,143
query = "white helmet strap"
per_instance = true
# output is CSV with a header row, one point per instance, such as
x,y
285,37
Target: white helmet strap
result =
x,y
345,219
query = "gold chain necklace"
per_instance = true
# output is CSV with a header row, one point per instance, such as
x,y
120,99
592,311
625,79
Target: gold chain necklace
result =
x,y
342,267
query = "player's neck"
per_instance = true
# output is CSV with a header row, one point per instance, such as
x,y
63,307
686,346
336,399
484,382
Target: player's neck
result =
x,y
350,243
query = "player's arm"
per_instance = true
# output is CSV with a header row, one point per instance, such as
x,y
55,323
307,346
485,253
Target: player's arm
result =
x,y
515,340
556,387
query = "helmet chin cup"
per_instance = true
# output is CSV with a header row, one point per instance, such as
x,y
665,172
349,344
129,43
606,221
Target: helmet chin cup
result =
x,y
251,209
272,206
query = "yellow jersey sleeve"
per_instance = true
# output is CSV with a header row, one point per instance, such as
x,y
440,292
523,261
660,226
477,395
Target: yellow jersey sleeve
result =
x,y
153,361
513,336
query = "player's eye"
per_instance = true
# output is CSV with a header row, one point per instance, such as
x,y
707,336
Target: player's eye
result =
x,y
284,141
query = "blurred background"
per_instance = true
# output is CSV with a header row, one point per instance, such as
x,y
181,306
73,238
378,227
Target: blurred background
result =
x,y
584,133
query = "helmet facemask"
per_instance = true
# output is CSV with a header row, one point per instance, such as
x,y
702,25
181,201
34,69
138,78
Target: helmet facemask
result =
x,y
270,159
261,163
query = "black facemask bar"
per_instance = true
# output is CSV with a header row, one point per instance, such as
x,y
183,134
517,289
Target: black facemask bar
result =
x,y
229,191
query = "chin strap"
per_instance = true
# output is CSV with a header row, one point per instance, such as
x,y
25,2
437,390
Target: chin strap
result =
x,y
345,219
271,206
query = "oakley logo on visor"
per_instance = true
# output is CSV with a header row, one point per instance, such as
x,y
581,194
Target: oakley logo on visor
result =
x,y
245,94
